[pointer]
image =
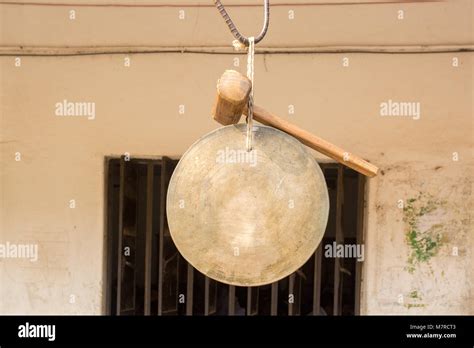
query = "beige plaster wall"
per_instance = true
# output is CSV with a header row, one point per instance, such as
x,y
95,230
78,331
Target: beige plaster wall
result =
x,y
62,158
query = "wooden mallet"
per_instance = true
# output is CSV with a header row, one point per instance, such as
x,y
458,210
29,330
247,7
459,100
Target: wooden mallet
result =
x,y
233,91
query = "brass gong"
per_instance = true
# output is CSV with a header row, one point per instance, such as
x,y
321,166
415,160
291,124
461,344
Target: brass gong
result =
x,y
247,218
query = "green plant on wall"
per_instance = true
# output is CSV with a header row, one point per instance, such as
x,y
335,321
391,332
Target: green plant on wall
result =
x,y
423,245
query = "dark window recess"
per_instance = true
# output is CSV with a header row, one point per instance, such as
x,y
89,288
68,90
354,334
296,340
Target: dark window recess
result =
x,y
150,277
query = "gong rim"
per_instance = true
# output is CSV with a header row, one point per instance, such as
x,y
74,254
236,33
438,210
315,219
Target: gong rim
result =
x,y
215,269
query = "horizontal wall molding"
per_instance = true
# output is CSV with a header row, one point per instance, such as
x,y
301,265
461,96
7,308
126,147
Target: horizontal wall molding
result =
x,y
76,51
184,4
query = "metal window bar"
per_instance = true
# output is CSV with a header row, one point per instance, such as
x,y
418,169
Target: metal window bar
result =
x,y
164,168
120,238
231,293
317,281
252,301
189,290
168,270
338,262
274,299
207,280
359,240
149,236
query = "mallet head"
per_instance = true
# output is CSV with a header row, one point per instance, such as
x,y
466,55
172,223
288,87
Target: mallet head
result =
x,y
233,90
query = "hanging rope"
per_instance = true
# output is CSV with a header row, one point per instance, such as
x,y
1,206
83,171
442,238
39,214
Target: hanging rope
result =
x,y
241,42
242,39
250,44
250,73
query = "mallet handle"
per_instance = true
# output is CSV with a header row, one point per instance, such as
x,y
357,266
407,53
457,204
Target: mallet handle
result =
x,y
311,140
